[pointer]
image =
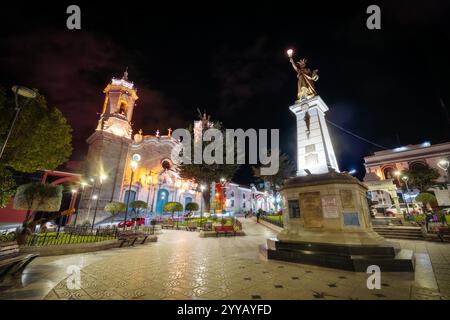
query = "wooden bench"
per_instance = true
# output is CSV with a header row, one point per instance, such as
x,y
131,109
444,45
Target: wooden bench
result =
x,y
131,238
225,230
11,260
443,233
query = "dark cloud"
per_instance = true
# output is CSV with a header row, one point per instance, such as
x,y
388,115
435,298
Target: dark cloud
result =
x,y
71,70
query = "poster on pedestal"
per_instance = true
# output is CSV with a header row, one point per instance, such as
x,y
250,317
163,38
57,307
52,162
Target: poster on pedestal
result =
x,y
330,207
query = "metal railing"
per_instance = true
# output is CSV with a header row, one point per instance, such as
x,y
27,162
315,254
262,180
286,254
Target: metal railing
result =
x,y
276,222
80,235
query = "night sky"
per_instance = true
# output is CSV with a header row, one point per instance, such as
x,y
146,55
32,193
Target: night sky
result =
x,y
390,86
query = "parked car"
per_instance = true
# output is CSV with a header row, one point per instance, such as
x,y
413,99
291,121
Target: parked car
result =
x,y
132,222
412,207
377,209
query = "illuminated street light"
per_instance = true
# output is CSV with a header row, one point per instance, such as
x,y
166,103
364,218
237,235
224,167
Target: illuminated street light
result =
x,y
202,188
405,179
444,164
102,177
83,185
352,171
23,92
133,165
290,52
94,197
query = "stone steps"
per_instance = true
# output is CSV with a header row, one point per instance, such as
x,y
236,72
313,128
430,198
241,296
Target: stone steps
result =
x,y
397,232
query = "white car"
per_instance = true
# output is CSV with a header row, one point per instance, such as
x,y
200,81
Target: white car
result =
x,y
392,210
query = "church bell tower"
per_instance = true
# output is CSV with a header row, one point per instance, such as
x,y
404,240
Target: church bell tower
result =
x,y
117,112
108,148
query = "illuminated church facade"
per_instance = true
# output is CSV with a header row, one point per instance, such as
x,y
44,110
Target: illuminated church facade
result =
x,y
156,180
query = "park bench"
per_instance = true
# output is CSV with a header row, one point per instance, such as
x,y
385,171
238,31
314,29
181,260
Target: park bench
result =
x,y
443,233
11,260
225,230
131,238
191,227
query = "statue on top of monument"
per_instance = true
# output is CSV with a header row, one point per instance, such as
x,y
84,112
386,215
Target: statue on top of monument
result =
x,y
306,78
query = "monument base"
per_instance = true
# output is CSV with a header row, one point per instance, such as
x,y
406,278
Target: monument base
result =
x,y
345,257
327,223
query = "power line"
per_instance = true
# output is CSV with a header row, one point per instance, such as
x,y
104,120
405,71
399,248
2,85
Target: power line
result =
x,y
357,136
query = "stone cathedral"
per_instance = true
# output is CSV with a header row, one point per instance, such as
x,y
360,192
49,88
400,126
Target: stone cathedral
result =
x,y
112,148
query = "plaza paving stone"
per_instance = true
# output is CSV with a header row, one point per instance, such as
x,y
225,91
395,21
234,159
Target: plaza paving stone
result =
x,y
181,265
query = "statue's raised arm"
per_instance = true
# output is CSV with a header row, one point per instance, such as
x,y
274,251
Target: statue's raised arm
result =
x,y
294,65
306,78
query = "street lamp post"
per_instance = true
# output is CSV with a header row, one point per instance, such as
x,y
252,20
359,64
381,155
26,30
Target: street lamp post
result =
x,y
83,184
133,166
18,91
202,188
102,177
223,182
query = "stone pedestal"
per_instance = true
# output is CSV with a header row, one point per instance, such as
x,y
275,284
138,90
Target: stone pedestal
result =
x,y
327,223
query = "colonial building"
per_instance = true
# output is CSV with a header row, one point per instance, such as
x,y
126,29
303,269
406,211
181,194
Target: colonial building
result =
x,y
113,149
382,166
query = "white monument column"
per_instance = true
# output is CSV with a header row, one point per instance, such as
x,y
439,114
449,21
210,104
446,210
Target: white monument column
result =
x,y
315,151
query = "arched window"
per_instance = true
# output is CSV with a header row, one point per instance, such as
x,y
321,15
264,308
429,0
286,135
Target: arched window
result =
x,y
417,165
123,108
388,172
166,164
232,194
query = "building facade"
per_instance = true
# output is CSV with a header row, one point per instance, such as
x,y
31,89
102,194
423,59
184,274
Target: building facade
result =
x,y
156,180
381,168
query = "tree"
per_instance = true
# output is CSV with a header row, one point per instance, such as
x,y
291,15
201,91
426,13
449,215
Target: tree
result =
x,y
7,186
428,199
137,206
114,208
423,177
41,137
173,207
286,170
192,206
207,173
36,197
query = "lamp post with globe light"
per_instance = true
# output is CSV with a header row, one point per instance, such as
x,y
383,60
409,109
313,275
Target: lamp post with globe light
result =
x,y
405,179
83,184
102,178
23,92
133,165
202,188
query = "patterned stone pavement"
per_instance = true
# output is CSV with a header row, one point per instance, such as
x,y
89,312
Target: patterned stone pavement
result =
x,y
183,266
